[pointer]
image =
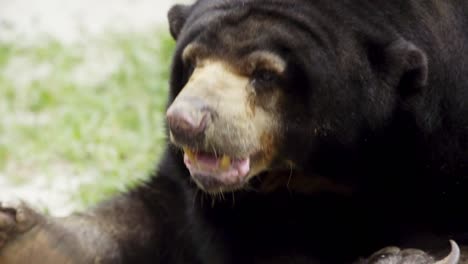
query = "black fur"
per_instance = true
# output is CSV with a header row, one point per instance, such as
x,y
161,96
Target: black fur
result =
x,y
375,98
384,83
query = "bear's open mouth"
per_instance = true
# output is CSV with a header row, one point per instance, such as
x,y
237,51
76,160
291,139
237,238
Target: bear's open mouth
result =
x,y
216,172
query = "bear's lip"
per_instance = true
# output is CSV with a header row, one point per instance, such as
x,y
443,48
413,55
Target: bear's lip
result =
x,y
215,173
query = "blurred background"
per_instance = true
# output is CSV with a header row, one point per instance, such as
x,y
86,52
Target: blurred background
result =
x,y
83,87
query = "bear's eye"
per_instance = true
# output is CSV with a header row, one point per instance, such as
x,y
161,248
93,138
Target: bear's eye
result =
x,y
263,76
189,66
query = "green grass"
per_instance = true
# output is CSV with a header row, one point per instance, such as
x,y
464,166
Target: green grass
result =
x,y
94,108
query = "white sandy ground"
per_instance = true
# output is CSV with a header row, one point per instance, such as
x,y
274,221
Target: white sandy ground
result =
x,y
68,21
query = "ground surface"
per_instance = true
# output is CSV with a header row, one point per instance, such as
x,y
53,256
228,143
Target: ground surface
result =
x,y
82,91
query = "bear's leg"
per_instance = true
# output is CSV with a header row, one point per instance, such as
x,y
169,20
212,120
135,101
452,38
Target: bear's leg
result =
x,y
27,236
125,229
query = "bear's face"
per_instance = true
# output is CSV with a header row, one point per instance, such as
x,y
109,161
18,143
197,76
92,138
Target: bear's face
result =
x,y
227,117
241,104
256,87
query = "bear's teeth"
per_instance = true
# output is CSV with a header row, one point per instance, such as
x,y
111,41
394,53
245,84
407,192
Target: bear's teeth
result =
x,y
190,154
225,162
222,164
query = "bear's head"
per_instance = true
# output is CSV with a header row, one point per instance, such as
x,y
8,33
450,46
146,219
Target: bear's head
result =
x,y
261,87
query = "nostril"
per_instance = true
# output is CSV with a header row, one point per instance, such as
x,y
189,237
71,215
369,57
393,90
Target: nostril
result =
x,y
187,124
180,121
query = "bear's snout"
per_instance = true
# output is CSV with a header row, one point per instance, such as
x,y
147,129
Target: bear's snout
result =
x,y
188,118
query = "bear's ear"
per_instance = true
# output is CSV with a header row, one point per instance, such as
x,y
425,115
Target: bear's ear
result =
x,y
403,65
177,16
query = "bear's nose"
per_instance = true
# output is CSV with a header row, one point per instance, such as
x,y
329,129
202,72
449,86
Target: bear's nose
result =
x,y
188,119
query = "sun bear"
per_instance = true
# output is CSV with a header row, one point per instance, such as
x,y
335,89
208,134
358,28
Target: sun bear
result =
x,y
298,131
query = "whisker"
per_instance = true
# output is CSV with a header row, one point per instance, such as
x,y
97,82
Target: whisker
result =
x,y
290,176
195,198
213,201
214,151
233,199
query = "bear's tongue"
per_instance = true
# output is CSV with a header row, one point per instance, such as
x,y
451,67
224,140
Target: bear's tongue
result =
x,y
224,169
